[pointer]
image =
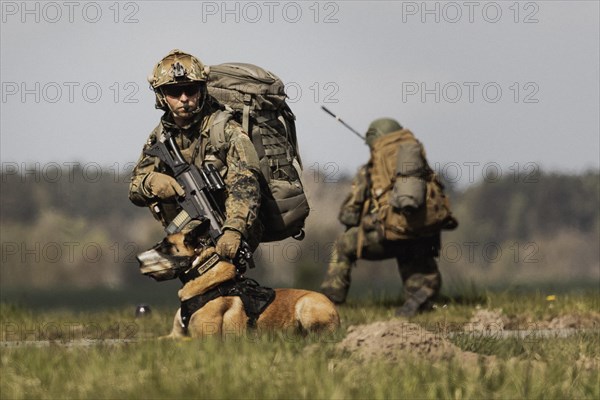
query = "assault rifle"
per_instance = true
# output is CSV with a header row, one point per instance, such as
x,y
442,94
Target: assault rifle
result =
x,y
199,202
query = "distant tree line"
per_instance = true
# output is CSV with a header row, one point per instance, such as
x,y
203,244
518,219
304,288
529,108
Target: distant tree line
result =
x,y
75,204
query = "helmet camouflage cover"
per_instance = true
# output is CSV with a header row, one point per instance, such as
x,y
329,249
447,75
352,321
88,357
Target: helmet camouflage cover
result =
x,y
178,67
381,127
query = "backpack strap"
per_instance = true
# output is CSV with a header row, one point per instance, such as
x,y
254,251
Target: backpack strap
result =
x,y
246,112
257,139
290,120
216,131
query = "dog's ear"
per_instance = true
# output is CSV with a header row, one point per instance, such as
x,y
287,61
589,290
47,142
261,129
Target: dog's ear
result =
x,y
194,237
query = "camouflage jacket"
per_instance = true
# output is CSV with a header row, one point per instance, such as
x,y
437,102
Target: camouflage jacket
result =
x,y
237,163
352,207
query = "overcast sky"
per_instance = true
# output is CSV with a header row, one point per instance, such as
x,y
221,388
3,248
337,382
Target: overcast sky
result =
x,y
484,85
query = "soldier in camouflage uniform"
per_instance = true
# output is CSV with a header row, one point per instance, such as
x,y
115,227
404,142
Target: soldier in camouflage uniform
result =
x,y
179,83
363,239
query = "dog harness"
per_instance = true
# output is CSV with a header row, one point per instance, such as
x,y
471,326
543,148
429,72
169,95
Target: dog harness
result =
x,y
254,297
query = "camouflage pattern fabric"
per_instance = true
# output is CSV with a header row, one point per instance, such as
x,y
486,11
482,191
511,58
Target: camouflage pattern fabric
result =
x,y
376,231
238,165
338,278
416,264
352,206
421,278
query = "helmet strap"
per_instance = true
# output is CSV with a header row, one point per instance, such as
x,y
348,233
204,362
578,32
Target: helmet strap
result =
x,y
201,99
161,103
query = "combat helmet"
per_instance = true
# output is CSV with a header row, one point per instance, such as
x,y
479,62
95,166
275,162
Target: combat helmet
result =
x,y
177,68
381,127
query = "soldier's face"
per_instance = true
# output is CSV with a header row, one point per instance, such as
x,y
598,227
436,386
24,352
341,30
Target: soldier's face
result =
x,y
182,99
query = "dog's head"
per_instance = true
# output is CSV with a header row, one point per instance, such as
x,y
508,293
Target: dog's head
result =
x,y
176,253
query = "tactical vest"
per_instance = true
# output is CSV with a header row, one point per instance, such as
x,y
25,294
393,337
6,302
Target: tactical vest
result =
x,y
426,220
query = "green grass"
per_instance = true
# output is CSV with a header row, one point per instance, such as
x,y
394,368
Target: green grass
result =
x,y
277,365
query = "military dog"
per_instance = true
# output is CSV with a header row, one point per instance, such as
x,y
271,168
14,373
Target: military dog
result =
x,y
213,288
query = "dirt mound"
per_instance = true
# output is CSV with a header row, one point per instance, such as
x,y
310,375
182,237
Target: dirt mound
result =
x,y
395,339
574,322
493,321
486,321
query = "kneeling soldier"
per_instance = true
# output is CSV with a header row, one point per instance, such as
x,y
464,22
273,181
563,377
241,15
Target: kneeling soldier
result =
x,y
396,209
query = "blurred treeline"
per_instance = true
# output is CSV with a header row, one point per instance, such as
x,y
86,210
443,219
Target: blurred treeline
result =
x,y
74,227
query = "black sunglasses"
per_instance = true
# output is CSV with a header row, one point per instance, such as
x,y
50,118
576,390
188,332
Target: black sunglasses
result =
x,y
178,90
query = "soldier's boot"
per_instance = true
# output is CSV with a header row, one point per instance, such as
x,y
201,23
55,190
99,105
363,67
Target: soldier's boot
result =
x,y
337,281
419,290
415,303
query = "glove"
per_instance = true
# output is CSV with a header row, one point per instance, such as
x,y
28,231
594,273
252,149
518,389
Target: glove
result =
x,y
229,243
162,186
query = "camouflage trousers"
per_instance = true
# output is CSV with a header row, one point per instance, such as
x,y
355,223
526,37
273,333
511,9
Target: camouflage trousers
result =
x,y
416,263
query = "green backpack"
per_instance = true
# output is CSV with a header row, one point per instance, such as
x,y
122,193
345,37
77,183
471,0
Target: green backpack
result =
x,y
256,98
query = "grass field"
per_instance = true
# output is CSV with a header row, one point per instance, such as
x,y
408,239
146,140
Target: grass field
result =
x,y
111,354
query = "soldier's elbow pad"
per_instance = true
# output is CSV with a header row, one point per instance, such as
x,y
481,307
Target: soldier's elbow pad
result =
x,y
408,193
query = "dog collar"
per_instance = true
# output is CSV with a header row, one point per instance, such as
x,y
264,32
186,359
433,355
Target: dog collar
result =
x,y
195,271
